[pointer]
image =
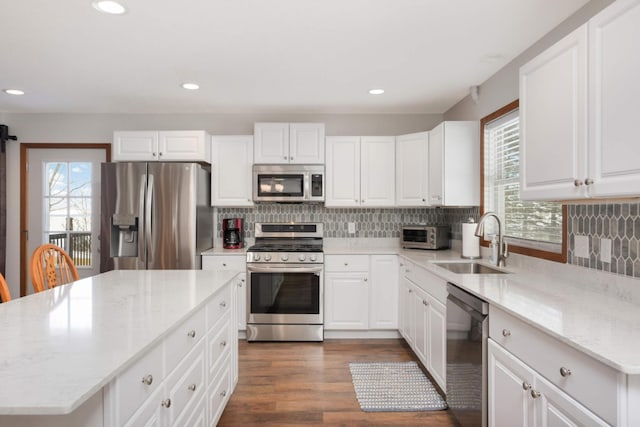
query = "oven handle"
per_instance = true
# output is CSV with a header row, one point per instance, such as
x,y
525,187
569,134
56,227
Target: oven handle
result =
x,y
284,269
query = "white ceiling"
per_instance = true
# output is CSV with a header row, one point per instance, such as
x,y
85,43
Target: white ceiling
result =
x,y
311,56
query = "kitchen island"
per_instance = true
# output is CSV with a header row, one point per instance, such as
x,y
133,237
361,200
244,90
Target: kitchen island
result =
x,y
119,347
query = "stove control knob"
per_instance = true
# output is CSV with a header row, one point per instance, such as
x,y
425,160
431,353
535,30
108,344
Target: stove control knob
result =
x,y
267,257
284,257
312,258
301,257
256,257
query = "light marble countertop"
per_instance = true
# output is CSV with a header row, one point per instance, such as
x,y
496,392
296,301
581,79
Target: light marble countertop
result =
x,y
595,312
61,346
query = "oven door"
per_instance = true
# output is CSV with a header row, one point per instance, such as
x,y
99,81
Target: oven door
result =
x,y
285,294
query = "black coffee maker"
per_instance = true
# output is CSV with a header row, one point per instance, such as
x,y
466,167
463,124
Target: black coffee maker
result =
x,y
232,233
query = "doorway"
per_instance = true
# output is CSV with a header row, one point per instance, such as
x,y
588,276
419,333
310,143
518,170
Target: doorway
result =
x,y
60,203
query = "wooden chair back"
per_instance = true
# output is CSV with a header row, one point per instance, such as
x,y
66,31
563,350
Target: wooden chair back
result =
x,y
5,295
51,266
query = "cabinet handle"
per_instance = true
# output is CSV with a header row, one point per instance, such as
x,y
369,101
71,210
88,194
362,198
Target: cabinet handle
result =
x,y
346,263
535,394
223,344
223,304
577,183
192,387
410,291
365,279
526,385
153,154
565,372
223,393
424,302
192,333
166,403
588,181
224,264
506,333
291,158
147,379
240,284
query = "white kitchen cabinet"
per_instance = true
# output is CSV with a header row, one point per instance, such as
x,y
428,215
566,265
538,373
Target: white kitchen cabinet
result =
x,y
298,143
454,164
383,313
579,109
518,395
184,146
346,290
360,171
231,168
235,262
437,340
420,324
412,166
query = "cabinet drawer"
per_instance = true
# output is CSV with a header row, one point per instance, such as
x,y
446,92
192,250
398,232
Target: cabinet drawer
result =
x,y
346,263
136,384
179,342
218,345
224,263
196,417
590,382
186,383
219,306
219,392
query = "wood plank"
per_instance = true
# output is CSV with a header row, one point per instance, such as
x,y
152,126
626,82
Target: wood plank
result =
x,y
309,384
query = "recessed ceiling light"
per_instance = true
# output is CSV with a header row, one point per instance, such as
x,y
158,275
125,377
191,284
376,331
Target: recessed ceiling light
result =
x,y
190,86
14,91
109,6
376,91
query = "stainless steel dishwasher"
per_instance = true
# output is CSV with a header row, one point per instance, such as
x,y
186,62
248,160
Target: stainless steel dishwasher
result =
x,y
467,333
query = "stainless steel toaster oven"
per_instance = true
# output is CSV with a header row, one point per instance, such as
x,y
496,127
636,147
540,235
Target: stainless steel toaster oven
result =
x,y
425,236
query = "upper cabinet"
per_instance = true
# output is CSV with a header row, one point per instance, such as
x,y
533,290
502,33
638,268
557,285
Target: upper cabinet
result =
x,y
360,171
188,146
579,109
231,161
454,164
412,157
277,143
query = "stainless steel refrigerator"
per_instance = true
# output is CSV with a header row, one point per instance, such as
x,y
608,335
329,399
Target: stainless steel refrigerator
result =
x,y
155,216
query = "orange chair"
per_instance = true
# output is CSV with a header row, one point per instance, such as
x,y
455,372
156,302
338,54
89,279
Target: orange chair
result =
x,y
5,295
51,266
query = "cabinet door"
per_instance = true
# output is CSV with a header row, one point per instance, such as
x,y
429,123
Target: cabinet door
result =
x,y
343,171
346,301
553,126
436,165
437,342
614,100
383,307
271,143
412,169
405,309
231,162
377,171
241,287
509,393
152,413
461,163
184,146
306,143
135,146
421,322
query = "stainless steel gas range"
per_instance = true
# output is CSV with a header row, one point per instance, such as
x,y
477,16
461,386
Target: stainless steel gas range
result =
x,y
285,278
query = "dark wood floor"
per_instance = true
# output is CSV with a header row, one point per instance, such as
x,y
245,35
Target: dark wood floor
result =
x,y
308,384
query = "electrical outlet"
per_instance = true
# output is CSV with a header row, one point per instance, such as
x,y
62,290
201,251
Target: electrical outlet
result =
x,y
352,228
605,250
581,247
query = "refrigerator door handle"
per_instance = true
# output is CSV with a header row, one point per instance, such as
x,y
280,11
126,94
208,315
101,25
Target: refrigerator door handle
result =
x,y
142,256
148,220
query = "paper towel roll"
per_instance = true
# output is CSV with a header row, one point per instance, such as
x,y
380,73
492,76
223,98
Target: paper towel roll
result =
x,y
470,242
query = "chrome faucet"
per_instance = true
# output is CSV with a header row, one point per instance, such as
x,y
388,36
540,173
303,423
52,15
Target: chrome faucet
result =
x,y
503,253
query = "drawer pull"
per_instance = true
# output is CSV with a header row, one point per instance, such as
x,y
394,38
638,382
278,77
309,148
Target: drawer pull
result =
x,y
192,333
224,264
223,304
166,403
223,344
535,394
565,372
424,302
346,263
223,393
365,279
506,333
192,387
147,379
526,385
410,291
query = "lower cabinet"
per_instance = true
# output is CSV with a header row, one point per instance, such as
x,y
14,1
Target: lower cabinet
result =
x,y
518,395
361,292
187,378
423,318
235,262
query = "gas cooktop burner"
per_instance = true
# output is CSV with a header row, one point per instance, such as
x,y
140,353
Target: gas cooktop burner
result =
x,y
287,242
286,247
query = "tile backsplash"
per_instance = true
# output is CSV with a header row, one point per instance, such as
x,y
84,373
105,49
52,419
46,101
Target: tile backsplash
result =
x,y
369,222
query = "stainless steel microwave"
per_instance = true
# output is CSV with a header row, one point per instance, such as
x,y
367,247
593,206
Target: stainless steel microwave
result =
x,y
288,183
425,236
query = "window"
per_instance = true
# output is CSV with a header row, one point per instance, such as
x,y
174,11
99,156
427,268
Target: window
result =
x,y
530,228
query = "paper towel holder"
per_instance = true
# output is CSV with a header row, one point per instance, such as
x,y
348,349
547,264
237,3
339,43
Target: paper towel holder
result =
x,y
470,234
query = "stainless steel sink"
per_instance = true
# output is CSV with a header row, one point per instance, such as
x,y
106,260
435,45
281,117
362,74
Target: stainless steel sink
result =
x,y
469,268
